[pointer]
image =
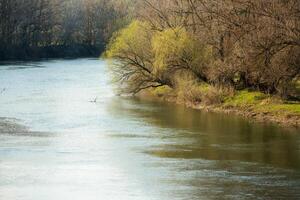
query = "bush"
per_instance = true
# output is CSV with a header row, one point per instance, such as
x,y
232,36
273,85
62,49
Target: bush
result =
x,y
189,89
212,96
186,85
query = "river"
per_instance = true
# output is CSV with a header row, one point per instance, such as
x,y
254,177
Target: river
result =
x,y
57,143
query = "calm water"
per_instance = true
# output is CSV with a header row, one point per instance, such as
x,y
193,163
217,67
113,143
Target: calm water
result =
x,y
56,144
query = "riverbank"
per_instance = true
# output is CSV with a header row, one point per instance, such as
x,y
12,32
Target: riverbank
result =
x,y
252,105
20,53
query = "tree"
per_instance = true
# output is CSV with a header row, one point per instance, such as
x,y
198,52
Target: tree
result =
x,y
46,28
255,43
132,63
176,49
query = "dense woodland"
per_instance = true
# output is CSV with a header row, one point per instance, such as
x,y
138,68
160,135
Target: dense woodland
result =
x,y
231,44
58,28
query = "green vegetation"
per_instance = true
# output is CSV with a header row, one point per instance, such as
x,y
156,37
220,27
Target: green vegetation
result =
x,y
218,53
176,48
249,103
162,91
246,98
258,103
262,102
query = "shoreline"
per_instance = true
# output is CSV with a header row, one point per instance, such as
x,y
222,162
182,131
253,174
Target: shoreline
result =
x,y
250,114
283,119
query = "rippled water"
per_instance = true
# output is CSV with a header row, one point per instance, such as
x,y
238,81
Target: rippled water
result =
x,y
56,143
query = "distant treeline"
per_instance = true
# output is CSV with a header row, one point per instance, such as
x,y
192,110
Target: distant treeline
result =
x,y
58,28
234,44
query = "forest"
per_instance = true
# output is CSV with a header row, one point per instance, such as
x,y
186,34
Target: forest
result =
x,y
231,44
31,29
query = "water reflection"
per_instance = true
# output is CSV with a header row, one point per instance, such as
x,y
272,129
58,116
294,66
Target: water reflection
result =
x,y
124,148
195,134
216,156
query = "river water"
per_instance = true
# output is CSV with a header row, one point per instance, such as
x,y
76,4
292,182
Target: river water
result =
x,y
56,143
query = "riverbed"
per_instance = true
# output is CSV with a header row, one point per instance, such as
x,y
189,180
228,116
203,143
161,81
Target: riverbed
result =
x,y
65,135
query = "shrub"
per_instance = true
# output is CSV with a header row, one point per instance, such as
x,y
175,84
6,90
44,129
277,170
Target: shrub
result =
x,y
212,96
186,86
190,89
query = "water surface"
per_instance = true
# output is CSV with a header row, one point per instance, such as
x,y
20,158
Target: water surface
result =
x,y
56,143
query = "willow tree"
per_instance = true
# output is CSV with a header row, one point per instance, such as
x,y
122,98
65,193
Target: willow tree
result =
x,y
176,50
144,58
132,58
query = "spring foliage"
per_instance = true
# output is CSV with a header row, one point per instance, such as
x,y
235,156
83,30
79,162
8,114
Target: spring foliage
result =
x,y
176,49
235,44
144,55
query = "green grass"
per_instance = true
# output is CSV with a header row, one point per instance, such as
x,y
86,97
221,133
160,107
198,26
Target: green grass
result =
x,y
244,97
246,100
260,102
204,87
161,91
286,107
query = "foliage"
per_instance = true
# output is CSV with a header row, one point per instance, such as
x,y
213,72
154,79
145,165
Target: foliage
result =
x,y
131,58
162,91
237,45
187,87
245,98
190,89
148,58
177,49
132,41
255,44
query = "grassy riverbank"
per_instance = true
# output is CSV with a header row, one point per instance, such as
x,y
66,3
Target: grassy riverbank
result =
x,y
225,60
250,104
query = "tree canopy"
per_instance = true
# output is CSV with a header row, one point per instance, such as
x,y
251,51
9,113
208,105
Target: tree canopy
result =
x,y
57,28
238,44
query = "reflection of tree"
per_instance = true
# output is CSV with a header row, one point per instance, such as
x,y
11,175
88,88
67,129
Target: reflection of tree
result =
x,y
213,136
